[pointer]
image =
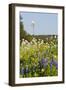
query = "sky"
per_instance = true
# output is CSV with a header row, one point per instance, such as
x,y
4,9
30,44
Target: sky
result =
x,y
44,23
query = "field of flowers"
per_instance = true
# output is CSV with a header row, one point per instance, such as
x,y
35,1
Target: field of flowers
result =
x,y
38,58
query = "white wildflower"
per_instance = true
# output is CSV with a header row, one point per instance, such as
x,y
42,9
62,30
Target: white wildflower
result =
x,y
55,36
42,41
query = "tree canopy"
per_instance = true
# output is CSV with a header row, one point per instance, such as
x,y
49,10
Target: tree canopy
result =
x,y
23,33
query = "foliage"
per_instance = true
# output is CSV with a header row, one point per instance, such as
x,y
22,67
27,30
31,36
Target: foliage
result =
x,y
23,33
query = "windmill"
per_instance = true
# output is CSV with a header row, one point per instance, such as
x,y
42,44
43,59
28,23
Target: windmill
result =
x,y
33,26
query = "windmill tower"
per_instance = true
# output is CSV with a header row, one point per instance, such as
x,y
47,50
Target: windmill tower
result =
x,y
33,26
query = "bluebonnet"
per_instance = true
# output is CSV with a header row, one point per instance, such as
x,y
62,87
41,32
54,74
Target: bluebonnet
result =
x,y
46,63
43,62
22,71
53,62
56,64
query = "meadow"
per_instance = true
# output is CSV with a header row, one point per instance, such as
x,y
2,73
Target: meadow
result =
x,y
39,57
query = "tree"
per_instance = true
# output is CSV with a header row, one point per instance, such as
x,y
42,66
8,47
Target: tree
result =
x,y
23,33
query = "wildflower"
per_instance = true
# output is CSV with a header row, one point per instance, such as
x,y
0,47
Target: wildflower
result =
x,y
22,71
31,43
56,64
26,41
44,62
23,39
39,39
55,36
53,62
42,41
39,42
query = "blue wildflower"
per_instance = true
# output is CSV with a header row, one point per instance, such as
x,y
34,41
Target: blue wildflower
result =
x,y
22,71
45,63
42,61
53,62
56,64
